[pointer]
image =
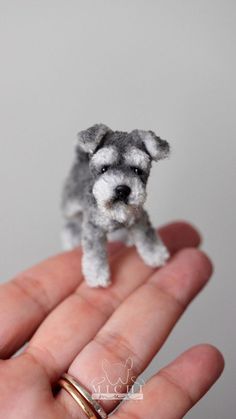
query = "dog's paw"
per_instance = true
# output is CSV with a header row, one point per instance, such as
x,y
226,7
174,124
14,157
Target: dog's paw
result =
x,y
157,256
96,276
97,282
162,254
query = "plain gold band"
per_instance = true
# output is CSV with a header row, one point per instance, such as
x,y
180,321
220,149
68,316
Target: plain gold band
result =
x,y
78,398
93,403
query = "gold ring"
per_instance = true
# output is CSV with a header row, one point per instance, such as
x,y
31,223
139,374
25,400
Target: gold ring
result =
x,y
78,398
90,407
95,405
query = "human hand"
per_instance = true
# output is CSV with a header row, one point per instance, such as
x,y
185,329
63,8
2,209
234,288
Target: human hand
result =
x,y
69,326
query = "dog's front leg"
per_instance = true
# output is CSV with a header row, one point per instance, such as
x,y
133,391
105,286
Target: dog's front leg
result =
x,y
94,260
148,243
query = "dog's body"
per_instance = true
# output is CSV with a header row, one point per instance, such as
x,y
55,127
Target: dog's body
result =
x,y
105,192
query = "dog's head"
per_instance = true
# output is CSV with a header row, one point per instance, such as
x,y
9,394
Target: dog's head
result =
x,y
120,164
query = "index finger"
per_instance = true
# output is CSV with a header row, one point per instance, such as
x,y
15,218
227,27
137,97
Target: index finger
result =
x,y
29,297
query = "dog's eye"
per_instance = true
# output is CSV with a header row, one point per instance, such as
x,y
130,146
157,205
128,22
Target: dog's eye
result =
x,y
137,171
104,169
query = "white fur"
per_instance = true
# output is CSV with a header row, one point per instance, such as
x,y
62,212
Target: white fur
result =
x,y
103,191
154,254
105,156
157,257
122,213
137,158
97,273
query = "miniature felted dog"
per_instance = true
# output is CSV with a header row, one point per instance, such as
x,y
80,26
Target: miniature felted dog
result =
x,y
105,191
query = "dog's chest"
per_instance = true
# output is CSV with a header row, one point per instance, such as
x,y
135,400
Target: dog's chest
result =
x,y
105,223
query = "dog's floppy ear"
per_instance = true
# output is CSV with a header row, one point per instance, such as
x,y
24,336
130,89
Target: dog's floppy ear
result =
x,y
155,146
89,139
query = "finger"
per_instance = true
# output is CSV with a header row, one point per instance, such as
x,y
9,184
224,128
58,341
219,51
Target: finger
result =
x,y
27,299
139,327
74,323
172,392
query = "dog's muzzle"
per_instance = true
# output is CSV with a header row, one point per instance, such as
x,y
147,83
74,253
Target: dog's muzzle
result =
x,y
118,196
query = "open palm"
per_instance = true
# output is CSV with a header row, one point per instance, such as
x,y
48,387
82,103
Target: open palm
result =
x,y
70,327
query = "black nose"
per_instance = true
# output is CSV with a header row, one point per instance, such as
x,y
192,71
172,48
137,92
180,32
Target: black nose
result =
x,y
122,192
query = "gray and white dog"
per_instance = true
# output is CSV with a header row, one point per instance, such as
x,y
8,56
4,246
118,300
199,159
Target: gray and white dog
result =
x,y
105,191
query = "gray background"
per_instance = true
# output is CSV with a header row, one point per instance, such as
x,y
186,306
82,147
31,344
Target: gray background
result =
x,y
162,65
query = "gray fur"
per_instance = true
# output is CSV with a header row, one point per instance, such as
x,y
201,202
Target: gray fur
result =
x,y
104,194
